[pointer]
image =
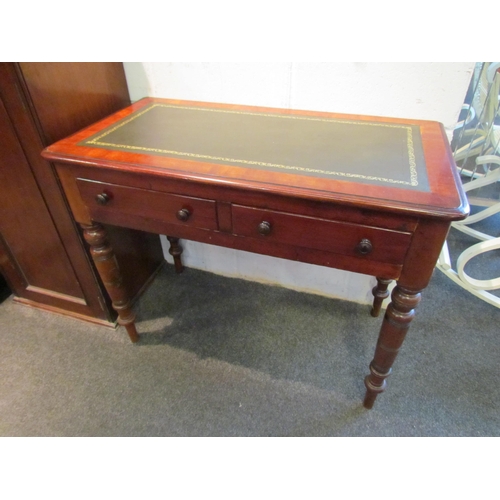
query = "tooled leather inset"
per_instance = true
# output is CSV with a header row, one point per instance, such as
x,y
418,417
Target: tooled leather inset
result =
x,y
361,151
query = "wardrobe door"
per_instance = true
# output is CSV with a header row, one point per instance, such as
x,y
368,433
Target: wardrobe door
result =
x,y
29,235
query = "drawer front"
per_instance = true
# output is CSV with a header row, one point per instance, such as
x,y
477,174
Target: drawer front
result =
x,y
104,198
382,245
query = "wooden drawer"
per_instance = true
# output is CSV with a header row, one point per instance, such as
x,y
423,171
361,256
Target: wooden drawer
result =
x,y
382,245
103,199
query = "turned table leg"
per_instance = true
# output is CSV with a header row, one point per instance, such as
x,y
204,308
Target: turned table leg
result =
x,y
396,322
175,251
380,293
107,267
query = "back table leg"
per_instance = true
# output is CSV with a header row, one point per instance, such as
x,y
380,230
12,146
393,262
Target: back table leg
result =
x,y
107,267
175,251
380,293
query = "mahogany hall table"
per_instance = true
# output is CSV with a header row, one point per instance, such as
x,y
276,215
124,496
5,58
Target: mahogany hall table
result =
x,y
364,194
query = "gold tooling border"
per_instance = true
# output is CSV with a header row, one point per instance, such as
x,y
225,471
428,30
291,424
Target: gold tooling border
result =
x,y
409,141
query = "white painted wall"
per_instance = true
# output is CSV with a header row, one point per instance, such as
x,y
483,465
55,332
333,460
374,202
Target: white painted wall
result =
x,y
429,91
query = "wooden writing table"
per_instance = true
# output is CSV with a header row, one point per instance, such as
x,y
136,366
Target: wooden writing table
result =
x,y
364,194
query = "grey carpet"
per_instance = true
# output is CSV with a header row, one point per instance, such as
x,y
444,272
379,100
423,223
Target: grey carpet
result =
x,y
227,357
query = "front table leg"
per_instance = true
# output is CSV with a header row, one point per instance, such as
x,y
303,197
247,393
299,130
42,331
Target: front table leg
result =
x,y
107,267
396,322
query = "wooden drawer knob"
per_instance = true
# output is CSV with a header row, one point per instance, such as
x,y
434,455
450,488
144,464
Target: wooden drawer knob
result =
x,y
264,228
183,214
364,247
102,198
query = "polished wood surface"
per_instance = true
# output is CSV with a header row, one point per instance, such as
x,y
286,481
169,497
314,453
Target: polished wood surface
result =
x,y
441,199
381,222
46,261
70,96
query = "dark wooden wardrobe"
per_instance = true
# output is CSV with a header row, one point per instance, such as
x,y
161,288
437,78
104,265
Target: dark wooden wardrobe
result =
x,y
42,253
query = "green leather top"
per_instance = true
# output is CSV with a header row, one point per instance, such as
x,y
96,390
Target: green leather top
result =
x,y
372,152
